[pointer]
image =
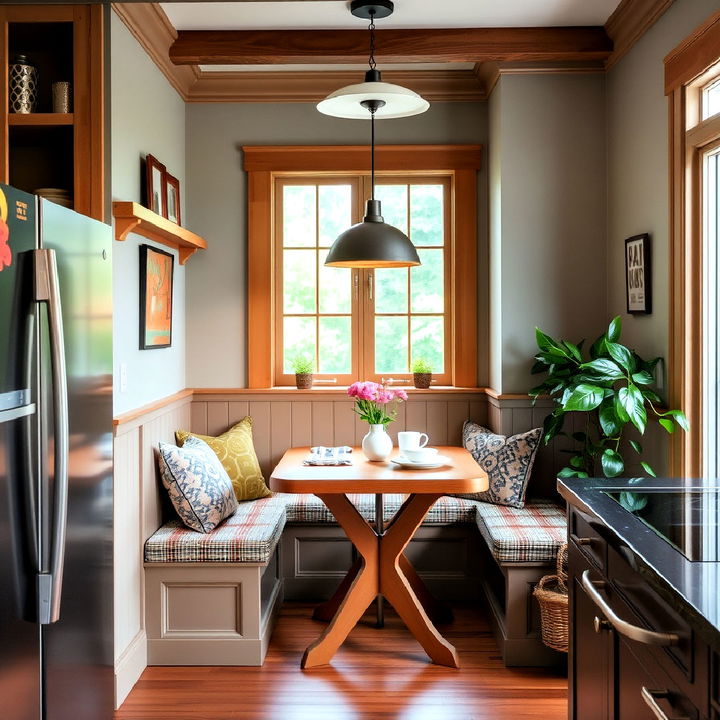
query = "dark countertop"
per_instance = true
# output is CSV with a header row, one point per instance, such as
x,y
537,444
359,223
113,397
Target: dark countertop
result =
x,y
692,588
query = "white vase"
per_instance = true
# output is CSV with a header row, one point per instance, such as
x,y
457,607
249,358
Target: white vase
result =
x,y
377,444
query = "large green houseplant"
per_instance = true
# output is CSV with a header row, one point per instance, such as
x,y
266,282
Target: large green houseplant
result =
x,y
613,387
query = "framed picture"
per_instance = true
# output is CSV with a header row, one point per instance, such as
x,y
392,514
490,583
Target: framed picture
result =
x,y
155,185
172,198
638,280
156,297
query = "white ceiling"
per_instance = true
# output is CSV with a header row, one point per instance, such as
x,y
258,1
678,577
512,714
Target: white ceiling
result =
x,y
335,14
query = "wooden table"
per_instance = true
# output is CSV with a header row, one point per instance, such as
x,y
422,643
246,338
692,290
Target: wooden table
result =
x,y
382,568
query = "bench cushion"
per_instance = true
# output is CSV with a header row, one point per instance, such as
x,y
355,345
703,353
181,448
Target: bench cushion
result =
x,y
250,535
310,510
530,534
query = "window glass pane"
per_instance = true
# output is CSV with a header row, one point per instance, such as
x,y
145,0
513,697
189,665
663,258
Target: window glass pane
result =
x,y
427,282
394,204
426,214
335,345
299,216
391,290
711,100
391,343
299,340
335,287
428,341
335,209
299,281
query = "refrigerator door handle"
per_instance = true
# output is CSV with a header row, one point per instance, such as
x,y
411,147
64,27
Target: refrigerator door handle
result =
x,y
47,291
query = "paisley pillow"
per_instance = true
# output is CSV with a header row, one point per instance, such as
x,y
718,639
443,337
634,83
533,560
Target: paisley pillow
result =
x,y
506,460
199,488
237,454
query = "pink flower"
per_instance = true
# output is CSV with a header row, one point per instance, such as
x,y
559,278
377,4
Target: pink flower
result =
x,y
352,391
400,394
383,396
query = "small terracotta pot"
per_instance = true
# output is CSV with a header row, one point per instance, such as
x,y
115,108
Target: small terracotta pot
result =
x,y
422,380
303,381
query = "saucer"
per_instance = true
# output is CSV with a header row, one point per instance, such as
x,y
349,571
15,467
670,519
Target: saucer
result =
x,y
436,462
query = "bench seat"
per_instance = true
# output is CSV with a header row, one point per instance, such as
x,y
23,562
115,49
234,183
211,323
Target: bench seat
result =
x,y
310,510
531,534
250,535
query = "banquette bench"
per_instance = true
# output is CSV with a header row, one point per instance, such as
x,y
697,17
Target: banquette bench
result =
x,y
211,599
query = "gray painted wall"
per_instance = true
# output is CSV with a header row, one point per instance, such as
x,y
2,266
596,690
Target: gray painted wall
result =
x,y
548,214
216,190
638,201
147,116
637,131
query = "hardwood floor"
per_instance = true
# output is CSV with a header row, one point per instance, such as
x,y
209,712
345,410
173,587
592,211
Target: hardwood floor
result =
x,y
378,674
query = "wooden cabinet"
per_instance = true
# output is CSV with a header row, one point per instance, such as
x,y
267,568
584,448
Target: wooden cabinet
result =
x,y
56,150
632,656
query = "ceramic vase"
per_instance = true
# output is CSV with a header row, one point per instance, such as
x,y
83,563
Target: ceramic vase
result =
x,y
377,444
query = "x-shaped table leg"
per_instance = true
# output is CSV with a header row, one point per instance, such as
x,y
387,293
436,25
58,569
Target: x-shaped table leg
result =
x,y
382,569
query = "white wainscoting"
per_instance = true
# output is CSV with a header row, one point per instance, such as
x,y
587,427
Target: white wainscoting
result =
x,y
137,514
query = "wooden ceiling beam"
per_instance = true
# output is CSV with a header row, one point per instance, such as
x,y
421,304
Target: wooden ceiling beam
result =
x,y
266,47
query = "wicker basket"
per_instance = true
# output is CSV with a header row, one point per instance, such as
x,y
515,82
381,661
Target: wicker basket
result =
x,y
552,595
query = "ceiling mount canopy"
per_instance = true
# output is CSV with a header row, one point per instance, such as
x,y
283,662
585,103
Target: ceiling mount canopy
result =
x,y
397,101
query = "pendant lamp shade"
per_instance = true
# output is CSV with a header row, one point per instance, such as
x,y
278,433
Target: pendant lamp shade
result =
x,y
398,101
372,244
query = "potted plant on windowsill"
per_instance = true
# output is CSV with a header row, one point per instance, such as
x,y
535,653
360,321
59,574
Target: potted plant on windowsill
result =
x,y
303,368
422,373
613,387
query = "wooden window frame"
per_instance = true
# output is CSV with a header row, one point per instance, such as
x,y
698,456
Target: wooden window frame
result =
x,y
264,164
688,69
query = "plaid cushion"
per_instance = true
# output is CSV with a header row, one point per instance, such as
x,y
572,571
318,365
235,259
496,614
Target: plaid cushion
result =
x,y
248,536
530,534
310,510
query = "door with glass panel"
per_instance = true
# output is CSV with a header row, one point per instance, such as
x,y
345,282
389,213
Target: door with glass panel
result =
x,y
407,309
316,306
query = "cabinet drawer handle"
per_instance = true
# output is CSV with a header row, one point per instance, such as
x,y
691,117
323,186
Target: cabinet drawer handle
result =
x,y
651,697
641,635
581,540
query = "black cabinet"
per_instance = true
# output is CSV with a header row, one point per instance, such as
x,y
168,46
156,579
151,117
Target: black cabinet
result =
x,y
631,656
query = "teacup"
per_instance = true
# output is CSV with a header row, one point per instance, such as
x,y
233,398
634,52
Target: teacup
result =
x,y
424,454
410,440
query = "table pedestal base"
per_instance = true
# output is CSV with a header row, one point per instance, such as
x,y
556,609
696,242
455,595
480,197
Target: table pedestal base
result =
x,y
381,569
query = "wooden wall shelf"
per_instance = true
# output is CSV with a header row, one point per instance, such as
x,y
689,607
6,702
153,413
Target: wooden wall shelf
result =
x,y
40,119
132,217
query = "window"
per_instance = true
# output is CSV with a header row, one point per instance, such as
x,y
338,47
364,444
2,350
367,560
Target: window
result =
x,y
692,83
361,324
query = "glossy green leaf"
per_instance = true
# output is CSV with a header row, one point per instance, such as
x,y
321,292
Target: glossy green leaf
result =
x,y
622,356
643,378
669,425
604,369
547,344
648,469
614,329
573,350
609,421
636,446
577,462
584,397
598,348
679,418
633,403
552,425
650,395
612,463
619,409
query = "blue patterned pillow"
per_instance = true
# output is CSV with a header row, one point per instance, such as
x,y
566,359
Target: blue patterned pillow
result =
x,y
200,490
506,460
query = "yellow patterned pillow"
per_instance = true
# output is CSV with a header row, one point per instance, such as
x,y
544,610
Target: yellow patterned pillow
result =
x,y
237,455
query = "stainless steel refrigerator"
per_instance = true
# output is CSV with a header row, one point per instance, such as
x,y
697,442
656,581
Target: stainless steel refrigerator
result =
x,y
55,462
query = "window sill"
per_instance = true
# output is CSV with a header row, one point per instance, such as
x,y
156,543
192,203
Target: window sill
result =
x,y
324,390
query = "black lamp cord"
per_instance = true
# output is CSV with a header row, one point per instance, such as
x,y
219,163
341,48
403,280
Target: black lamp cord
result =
x,y
371,28
372,152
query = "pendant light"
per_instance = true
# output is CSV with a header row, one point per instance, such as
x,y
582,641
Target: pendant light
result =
x,y
397,101
372,243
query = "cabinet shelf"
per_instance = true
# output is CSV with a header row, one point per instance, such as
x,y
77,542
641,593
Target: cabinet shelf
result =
x,y
40,119
132,217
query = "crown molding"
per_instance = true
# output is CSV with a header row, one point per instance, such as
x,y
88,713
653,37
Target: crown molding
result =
x,y
149,25
629,22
